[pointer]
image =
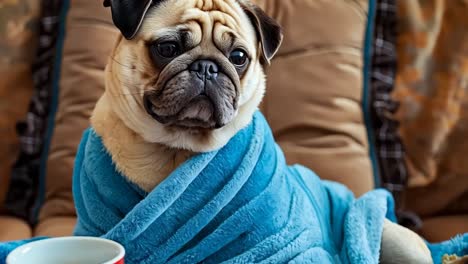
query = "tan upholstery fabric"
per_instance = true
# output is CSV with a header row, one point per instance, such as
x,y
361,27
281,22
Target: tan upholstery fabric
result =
x,y
313,100
13,229
18,29
56,227
439,229
89,40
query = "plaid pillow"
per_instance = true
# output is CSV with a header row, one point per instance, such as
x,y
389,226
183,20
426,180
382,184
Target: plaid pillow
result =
x,y
25,193
389,148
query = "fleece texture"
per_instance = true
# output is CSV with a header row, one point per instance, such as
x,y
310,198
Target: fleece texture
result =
x,y
240,204
456,246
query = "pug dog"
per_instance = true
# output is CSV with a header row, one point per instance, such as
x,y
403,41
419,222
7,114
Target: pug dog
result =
x,y
184,77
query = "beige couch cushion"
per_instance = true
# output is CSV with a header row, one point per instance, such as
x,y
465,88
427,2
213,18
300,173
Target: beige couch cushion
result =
x,y
13,229
438,229
313,100
89,40
56,226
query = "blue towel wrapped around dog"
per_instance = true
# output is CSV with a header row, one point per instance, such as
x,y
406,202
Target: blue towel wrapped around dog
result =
x,y
240,204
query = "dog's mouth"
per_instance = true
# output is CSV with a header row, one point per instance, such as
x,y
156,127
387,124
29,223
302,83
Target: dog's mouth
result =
x,y
199,97
198,113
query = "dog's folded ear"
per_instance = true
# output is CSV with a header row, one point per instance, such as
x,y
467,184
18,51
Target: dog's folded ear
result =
x,y
269,32
128,15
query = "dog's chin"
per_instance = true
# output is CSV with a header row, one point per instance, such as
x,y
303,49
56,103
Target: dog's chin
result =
x,y
198,116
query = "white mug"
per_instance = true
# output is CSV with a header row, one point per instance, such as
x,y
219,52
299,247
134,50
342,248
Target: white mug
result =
x,y
68,250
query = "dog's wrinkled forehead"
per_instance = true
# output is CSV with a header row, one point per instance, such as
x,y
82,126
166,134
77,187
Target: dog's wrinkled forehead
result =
x,y
128,16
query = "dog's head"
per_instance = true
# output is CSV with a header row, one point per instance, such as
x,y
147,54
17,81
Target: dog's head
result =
x,y
189,73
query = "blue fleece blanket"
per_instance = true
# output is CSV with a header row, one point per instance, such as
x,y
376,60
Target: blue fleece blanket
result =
x,y
240,204
7,247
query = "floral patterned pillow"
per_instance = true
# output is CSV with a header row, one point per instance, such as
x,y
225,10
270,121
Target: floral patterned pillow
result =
x,y
432,86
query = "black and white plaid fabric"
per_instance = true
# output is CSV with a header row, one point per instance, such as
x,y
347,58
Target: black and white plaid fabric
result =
x,y
390,151
24,184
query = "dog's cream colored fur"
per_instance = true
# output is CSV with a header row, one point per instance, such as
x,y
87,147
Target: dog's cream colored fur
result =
x,y
143,149
147,152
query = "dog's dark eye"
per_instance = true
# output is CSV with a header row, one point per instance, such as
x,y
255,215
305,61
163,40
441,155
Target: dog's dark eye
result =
x,y
167,49
238,57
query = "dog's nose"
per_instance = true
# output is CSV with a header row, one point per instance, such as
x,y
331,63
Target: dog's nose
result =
x,y
205,69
